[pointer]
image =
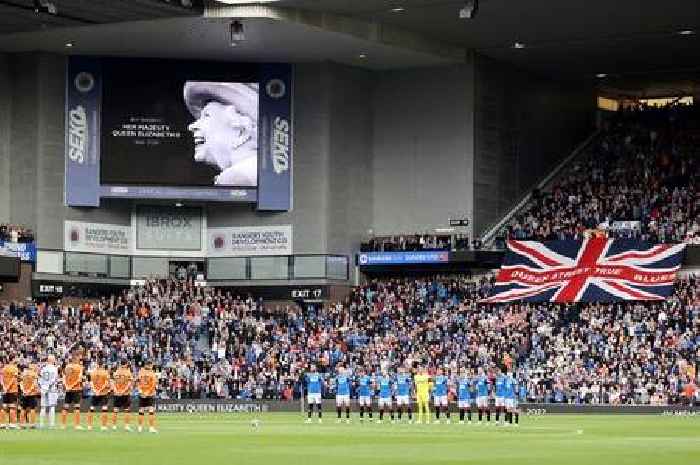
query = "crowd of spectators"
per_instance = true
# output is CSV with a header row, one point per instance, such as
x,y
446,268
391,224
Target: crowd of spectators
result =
x,y
416,242
15,233
209,343
639,180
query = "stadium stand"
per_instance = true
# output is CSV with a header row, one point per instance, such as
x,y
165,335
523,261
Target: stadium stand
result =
x,y
643,168
15,233
391,232
211,344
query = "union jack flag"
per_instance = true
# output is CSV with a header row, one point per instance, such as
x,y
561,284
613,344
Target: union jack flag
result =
x,y
592,270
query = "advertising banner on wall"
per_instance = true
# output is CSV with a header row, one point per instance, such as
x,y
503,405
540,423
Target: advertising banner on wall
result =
x,y
83,120
401,258
26,251
249,241
168,228
97,238
275,177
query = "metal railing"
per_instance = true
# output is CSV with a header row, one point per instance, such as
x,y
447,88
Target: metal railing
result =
x,y
329,266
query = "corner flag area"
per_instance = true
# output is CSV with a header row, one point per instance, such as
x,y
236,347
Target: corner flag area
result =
x,y
281,438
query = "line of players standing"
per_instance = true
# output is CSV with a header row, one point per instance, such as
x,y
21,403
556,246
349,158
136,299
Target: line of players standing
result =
x,y
26,386
472,389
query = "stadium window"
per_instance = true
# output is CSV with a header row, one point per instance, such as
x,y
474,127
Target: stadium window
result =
x,y
608,104
662,102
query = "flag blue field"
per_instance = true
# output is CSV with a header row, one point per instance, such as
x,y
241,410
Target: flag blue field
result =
x,y
592,270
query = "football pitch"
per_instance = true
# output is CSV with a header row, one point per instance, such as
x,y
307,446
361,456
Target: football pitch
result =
x,y
283,439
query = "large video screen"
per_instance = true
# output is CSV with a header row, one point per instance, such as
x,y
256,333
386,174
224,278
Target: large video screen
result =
x,y
173,124
166,129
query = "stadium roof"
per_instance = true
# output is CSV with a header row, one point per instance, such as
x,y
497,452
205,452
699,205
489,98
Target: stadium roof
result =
x,y
563,37
33,15
566,38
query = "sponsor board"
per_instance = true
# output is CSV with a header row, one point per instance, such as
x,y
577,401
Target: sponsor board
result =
x,y
99,238
249,241
210,407
201,406
82,115
401,258
168,228
197,406
26,251
276,140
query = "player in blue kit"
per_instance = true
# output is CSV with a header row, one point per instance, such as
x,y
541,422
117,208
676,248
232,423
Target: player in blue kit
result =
x,y
440,395
342,393
386,392
314,388
364,394
482,395
403,393
464,396
500,391
511,406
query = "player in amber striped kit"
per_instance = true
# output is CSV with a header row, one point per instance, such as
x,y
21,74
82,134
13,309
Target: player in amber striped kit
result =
x,y
73,382
123,382
8,377
147,384
100,383
29,385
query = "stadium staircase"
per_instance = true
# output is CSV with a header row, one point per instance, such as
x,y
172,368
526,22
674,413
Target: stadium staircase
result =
x,y
488,237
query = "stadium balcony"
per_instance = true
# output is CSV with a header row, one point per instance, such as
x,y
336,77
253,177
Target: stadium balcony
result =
x,y
416,242
15,233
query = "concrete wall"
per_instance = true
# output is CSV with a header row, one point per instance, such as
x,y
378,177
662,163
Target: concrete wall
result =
x,y
50,155
423,148
524,126
24,92
5,112
349,179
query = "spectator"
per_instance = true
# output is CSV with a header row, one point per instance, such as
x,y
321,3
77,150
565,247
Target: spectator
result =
x,y
212,344
15,233
640,180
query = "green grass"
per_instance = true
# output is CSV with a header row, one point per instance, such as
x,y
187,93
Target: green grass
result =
x,y
283,439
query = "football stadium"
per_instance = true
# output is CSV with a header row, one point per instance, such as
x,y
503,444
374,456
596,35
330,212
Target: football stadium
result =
x,y
340,232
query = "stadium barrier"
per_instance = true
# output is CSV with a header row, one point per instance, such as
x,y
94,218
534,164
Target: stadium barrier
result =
x,y
201,406
198,406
